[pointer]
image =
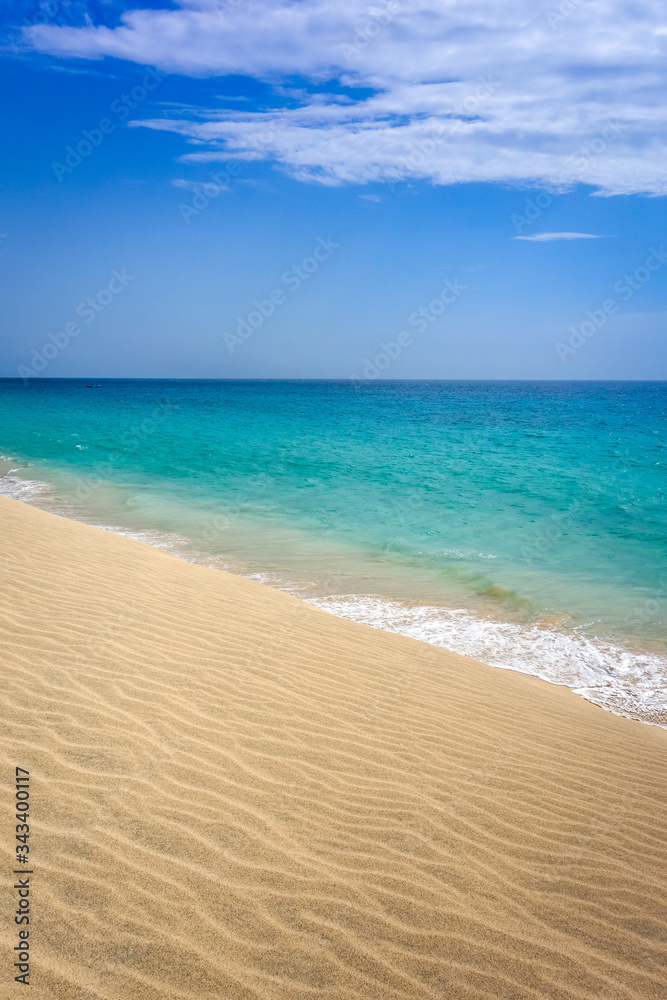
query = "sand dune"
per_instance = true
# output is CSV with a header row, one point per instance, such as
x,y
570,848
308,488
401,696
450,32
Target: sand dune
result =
x,y
236,795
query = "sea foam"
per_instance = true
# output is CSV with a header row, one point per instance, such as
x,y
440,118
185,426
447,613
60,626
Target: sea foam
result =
x,y
627,683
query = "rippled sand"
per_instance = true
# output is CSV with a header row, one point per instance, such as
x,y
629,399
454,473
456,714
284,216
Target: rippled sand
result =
x,y
237,795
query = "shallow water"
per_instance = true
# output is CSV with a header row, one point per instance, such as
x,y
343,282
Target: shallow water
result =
x,y
521,523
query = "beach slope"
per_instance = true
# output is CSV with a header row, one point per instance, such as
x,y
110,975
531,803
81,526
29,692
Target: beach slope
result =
x,y
236,795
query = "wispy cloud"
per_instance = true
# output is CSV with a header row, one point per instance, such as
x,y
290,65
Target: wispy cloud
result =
x,y
468,90
547,237
198,186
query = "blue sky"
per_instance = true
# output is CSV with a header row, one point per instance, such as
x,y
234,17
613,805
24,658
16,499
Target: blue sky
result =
x,y
331,190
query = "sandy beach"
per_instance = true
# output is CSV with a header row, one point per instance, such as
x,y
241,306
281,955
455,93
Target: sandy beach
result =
x,y
236,795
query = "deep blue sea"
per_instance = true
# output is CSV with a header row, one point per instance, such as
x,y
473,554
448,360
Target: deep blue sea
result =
x,y
522,523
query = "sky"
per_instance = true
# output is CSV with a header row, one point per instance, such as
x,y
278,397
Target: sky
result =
x,y
334,189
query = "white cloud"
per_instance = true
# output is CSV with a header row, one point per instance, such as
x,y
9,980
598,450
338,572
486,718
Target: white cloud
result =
x,y
463,90
547,237
199,187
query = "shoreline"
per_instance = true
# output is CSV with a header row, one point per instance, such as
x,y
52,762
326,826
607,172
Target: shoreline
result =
x,y
237,794
620,679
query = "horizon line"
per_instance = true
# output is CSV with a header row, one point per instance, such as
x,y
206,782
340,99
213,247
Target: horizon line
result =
x,y
355,381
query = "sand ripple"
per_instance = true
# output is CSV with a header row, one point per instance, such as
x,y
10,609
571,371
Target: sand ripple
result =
x,y
237,795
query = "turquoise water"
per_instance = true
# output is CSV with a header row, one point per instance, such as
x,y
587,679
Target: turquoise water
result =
x,y
523,523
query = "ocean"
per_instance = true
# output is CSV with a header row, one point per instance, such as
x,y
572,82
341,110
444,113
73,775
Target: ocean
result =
x,y
521,523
